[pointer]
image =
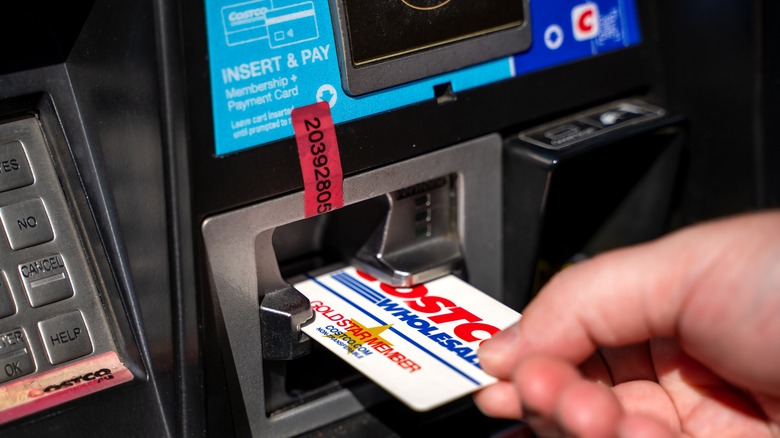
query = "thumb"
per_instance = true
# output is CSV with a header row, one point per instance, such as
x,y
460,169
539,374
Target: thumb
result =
x,y
633,294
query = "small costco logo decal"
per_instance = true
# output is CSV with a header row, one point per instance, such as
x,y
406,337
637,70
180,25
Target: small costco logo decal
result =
x,y
585,21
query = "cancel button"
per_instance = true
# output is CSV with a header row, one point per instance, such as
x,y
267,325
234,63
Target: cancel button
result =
x,y
46,280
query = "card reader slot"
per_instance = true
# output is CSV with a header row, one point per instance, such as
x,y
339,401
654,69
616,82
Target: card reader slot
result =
x,y
418,239
410,233
307,246
312,243
248,249
296,382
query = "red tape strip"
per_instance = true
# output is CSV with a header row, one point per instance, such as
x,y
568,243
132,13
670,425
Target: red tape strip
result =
x,y
318,151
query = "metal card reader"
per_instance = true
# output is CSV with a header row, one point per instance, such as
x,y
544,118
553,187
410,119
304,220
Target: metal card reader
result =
x,y
418,239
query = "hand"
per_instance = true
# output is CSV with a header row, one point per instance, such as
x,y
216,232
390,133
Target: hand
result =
x,y
680,336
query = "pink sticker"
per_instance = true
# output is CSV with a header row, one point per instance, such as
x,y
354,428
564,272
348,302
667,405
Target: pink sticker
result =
x,y
42,391
318,151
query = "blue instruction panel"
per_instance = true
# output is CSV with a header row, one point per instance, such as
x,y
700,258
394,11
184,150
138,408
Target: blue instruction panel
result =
x,y
268,57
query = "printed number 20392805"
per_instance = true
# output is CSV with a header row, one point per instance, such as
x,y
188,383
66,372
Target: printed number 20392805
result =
x,y
322,172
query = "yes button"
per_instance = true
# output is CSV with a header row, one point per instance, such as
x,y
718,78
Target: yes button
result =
x,y
15,170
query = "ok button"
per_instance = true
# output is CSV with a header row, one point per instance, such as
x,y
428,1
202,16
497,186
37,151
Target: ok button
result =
x,y
26,224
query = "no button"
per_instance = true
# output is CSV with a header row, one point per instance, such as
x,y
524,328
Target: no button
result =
x,y
26,224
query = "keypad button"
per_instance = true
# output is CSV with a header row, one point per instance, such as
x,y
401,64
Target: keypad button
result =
x,y
15,170
26,224
16,365
46,280
65,337
7,306
12,341
15,358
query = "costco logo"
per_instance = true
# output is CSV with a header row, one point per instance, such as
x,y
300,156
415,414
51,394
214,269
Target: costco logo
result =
x,y
585,21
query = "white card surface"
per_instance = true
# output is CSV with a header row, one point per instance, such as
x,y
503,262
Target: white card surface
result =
x,y
417,343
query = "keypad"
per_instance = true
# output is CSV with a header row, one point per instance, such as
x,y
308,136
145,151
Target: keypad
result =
x,y
51,312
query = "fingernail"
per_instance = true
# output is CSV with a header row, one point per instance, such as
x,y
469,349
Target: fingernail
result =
x,y
500,344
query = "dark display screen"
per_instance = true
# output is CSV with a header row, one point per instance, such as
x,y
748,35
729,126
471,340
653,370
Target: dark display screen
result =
x,y
382,29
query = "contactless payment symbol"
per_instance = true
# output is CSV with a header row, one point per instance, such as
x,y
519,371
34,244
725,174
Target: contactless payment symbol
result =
x,y
585,21
259,19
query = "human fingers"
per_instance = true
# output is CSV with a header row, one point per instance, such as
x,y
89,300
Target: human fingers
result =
x,y
557,400
703,402
629,363
604,301
729,322
595,369
642,426
648,399
612,366
632,409
496,356
638,293
540,380
588,409
499,400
